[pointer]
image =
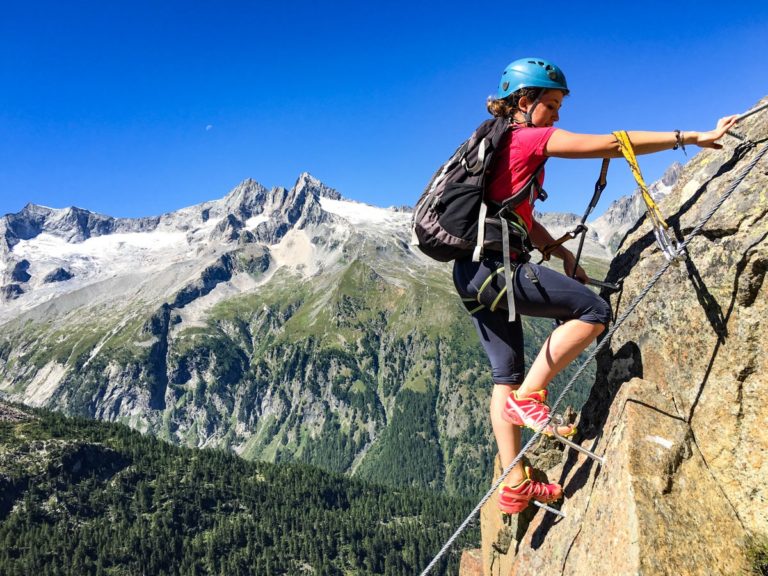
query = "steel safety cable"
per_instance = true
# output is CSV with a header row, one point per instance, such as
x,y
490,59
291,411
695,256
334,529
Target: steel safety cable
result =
x,y
697,229
633,305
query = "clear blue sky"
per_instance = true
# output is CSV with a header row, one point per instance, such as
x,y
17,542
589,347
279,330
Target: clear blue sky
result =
x,y
139,108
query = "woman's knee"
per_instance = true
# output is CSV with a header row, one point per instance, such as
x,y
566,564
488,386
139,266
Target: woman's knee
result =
x,y
603,313
510,373
598,313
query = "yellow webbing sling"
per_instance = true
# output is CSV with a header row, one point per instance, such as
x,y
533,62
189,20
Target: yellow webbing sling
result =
x,y
668,245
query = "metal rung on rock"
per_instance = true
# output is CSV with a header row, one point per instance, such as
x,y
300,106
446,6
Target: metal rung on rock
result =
x,y
557,421
601,284
549,508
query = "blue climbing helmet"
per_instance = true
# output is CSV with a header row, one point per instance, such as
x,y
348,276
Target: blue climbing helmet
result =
x,y
531,73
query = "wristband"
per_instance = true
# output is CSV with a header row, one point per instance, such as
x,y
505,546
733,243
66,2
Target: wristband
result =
x,y
679,142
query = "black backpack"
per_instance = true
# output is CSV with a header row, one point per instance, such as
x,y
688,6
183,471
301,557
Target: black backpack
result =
x,y
452,220
447,217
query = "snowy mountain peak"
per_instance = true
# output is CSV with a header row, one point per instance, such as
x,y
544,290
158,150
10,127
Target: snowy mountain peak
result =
x,y
46,253
309,182
246,198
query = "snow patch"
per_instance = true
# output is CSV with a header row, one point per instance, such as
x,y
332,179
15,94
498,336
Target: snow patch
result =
x,y
47,244
103,258
358,213
114,253
254,221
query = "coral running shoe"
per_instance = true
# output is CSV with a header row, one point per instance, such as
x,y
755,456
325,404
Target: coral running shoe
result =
x,y
532,412
515,499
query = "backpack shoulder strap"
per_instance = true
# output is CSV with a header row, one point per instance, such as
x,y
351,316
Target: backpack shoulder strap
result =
x,y
495,128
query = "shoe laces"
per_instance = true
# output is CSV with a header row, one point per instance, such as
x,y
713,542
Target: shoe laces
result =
x,y
530,488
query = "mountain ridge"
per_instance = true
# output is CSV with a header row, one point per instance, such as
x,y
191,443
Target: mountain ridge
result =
x,y
247,214
284,324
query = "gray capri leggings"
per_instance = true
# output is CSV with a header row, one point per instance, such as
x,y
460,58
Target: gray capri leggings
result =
x,y
553,296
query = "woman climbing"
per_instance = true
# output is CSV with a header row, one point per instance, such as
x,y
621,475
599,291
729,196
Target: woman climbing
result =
x,y
530,95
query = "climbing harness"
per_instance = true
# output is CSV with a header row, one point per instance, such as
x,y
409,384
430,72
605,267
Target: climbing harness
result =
x,y
555,418
669,246
506,216
581,228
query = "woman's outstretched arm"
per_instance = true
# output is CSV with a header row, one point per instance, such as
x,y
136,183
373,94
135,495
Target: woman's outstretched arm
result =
x,y
564,144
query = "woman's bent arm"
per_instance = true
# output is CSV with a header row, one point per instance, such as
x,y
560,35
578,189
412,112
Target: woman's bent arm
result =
x,y
541,238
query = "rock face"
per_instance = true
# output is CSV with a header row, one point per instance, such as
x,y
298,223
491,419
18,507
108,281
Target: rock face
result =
x,y
58,275
679,403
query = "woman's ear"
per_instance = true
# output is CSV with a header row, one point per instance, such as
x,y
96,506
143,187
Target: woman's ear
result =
x,y
523,104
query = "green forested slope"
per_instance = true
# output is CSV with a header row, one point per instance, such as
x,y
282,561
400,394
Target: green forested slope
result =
x,y
84,497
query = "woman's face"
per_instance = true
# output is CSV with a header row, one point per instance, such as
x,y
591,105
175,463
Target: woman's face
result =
x,y
546,112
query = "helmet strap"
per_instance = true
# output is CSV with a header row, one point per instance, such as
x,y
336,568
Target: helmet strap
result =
x,y
528,116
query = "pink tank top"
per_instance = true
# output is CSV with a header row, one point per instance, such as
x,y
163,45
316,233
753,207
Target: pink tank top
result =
x,y
520,154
